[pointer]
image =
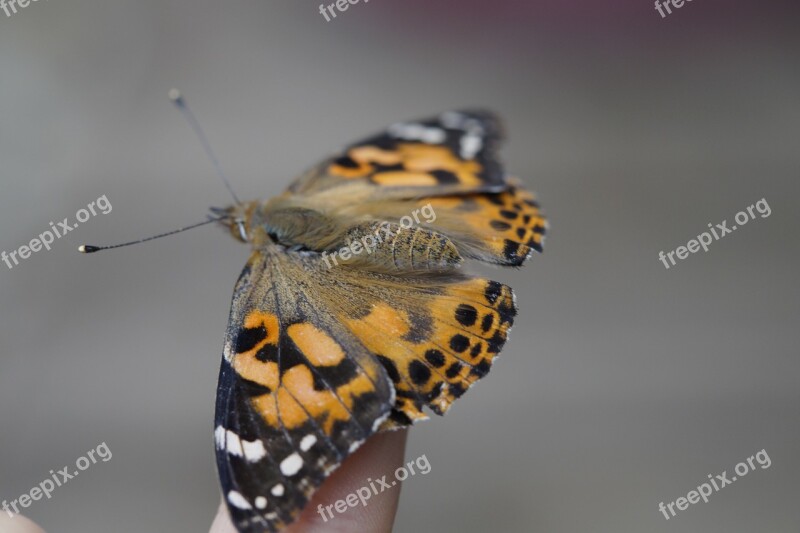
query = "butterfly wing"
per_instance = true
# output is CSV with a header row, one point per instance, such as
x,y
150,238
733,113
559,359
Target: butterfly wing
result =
x,y
435,334
502,228
450,153
297,393
448,163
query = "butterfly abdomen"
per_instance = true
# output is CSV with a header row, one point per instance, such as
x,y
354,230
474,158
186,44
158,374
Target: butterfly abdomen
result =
x,y
393,247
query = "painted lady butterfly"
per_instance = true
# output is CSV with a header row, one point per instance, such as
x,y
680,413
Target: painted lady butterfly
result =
x,y
317,357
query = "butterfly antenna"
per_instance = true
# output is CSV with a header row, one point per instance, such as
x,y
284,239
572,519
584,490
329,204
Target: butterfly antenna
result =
x,y
88,249
177,99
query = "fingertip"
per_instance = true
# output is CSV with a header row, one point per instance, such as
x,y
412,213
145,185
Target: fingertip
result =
x,y
222,521
379,456
18,524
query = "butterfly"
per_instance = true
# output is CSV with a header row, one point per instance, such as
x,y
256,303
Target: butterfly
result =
x,y
327,345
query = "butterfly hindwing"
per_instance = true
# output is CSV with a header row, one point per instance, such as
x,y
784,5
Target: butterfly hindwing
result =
x,y
501,228
435,335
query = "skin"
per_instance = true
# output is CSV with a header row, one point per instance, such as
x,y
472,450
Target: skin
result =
x,y
18,524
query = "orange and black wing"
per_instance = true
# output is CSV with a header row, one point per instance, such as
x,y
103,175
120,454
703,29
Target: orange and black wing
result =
x,y
502,228
297,393
451,153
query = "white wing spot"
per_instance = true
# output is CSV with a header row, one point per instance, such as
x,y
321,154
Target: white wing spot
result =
x,y
226,353
292,464
307,442
234,444
418,132
471,144
253,451
277,490
219,437
228,440
238,501
261,502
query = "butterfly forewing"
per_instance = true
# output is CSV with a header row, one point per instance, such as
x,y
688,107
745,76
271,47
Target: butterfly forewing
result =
x,y
297,392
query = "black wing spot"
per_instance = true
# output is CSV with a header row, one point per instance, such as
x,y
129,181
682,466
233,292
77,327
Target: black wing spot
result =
x,y
486,323
492,291
251,388
436,391
535,245
445,177
249,338
400,417
466,315
459,343
476,350
268,353
453,370
435,358
496,342
391,368
499,225
511,252
346,162
481,369
335,376
420,374
496,199
457,390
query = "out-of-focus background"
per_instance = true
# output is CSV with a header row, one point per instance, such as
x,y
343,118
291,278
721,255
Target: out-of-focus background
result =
x,y
624,384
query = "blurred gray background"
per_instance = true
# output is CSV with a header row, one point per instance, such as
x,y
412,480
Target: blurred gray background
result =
x,y
623,385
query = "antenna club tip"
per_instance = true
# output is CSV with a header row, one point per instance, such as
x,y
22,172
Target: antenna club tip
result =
x,y
87,249
175,95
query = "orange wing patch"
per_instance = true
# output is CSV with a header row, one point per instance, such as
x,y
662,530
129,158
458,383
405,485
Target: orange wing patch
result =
x,y
303,373
407,165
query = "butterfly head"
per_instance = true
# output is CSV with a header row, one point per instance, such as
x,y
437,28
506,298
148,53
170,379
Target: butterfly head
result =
x,y
236,218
